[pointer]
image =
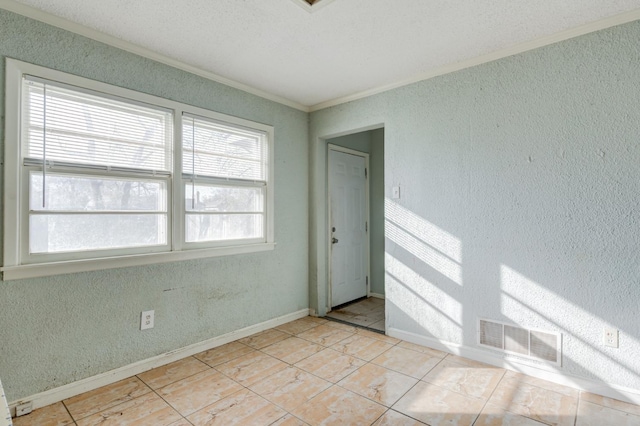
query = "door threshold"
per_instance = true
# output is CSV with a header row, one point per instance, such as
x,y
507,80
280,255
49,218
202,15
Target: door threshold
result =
x,y
344,305
364,327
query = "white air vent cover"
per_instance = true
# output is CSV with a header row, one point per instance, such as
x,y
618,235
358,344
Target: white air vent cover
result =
x,y
543,346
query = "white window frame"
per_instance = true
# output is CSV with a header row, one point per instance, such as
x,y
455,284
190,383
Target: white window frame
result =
x,y
15,266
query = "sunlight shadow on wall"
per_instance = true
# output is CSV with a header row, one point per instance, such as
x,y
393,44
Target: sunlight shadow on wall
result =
x,y
433,246
423,303
530,305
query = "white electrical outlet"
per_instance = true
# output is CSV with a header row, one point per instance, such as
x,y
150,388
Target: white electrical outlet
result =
x,y
610,337
395,192
146,320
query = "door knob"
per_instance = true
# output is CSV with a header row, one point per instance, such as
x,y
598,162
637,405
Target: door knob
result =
x,y
334,240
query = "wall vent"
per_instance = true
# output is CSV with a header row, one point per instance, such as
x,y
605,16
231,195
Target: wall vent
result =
x,y
545,346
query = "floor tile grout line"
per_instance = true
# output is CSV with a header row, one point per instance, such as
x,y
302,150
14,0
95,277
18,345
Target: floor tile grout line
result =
x,y
579,399
175,381
169,404
103,409
504,376
489,397
67,408
608,407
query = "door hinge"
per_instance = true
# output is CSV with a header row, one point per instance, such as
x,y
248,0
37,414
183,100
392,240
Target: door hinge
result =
x,y
365,172
366,227
366,280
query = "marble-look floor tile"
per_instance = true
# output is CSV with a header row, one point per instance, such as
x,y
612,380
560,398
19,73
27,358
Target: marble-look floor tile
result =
x,y
438,406
196,392
290,388
51,415
251,368
474,382
546,406
378,384
493,415
290,420
341,326
292,350
298,326
378,336
339,315
105,397
361,347
534,381
393,418
148,409
324,335
242,408
264,338
317,320
162,376
181,422
223,353
338,406
610,403
407,361
422,349
466,361
330,365
590,414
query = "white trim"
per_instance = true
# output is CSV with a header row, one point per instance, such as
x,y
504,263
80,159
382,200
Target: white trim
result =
x,y
94,382
53,265
338,148
598,25
377,295
56,21
76,28
550,374
85,265
11,166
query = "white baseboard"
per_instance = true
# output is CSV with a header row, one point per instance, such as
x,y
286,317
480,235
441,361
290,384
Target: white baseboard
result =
x,y
376,295
601,388
90,383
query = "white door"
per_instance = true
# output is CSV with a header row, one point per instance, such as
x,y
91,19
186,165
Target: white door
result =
x,y
348,236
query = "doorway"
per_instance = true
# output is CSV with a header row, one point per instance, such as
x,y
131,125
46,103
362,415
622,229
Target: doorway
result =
x,y
349,225
363,304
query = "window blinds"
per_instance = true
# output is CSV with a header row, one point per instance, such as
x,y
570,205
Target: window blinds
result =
x,y
65,125
213,149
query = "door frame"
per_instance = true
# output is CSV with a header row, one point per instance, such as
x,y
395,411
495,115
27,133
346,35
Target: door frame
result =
x,y
332,147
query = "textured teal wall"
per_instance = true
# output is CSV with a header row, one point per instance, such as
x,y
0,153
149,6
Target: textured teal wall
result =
x,y
519,199
64,328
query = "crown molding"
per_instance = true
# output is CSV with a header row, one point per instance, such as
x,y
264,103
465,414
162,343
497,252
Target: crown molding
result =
x,y
65,24
56,21
598,25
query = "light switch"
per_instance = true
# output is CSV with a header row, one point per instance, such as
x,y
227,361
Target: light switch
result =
x,y
395,192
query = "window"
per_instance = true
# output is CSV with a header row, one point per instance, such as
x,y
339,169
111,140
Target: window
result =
x,y
98,176
225,172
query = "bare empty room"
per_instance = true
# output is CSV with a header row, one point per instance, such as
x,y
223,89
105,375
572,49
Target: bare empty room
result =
x,y
330,212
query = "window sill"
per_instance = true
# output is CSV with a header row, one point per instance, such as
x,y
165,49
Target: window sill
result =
x,y
73,266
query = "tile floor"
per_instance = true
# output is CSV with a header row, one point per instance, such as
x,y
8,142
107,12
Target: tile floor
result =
x,y
367,313
317,372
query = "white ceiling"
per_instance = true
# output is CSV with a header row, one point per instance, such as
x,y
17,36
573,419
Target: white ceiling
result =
x,y
339,50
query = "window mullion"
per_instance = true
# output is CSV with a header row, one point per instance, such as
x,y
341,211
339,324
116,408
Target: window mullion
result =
x,y
178,220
